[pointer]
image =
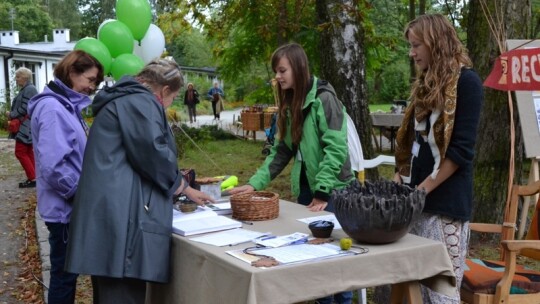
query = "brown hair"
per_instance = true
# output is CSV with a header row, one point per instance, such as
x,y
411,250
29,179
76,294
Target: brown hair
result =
x,y
77,62
292,98
448,55
161,72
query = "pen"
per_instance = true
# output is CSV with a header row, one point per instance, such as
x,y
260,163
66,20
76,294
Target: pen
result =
x,y
234,244
247,223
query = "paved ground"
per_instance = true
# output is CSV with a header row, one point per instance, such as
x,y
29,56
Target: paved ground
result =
x,y
12,199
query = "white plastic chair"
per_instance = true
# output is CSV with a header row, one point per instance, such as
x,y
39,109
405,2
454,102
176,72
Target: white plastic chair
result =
x,y
379,160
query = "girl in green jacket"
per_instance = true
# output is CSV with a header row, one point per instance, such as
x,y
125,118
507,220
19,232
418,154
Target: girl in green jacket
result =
x,y
312,130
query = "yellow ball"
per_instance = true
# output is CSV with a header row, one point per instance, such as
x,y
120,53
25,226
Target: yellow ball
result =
x,y
345,243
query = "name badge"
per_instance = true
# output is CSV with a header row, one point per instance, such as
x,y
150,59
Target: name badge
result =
x,y
415,149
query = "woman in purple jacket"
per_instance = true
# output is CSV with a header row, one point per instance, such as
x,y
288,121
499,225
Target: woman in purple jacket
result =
x,y
59,137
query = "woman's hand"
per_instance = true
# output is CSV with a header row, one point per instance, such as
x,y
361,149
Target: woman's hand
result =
x,y
242,189
7,114
197,196
317,205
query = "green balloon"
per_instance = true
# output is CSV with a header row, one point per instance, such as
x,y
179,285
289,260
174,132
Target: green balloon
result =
x,y
117,37
126,64
98,50
136,14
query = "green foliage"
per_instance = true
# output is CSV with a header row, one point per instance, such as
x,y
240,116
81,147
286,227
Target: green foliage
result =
x,y
3,119
191,49
65,14
262,95
32,22
391,84
94,12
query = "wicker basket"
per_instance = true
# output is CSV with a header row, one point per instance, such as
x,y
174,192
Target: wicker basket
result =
x,y
251,121
255,206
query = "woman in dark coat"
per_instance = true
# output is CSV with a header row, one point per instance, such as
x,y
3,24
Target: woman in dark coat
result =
x,y
122,215
24,150
191,99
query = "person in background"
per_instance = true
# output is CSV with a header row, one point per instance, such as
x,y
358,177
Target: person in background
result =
x,y
312,131
24,150
435,143
191,99
122,215
59,135
215,95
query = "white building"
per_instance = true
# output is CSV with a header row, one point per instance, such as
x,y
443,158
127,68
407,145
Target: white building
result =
x,y
39,57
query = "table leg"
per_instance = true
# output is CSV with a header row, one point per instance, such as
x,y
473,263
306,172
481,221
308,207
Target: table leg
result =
x,y
392,138
375,139
380,137
409,291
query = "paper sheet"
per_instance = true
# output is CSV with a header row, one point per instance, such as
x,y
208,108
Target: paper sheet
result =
x,y
229,237
294,253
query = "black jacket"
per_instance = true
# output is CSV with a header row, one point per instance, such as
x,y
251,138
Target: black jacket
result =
x,y
453,198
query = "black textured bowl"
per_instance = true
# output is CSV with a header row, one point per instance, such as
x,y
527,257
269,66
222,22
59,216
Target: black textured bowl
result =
x,y
379,212
321,229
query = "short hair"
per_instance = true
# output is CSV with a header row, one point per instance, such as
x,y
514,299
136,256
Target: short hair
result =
x,y
78,62
24,72
162,72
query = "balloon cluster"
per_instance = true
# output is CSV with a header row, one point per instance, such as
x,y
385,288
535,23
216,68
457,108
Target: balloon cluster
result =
x,y
126,44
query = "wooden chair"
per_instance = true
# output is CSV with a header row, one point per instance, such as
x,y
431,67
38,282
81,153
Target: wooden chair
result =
x,y
503,281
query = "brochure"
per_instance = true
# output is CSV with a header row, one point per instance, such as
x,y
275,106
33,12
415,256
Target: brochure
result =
x,y
221,206
294,253
284,240
202,220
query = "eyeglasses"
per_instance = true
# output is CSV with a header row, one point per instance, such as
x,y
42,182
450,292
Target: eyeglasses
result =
x,y
91,79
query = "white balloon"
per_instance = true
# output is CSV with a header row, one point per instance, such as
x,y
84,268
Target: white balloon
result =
x,y
152,44
138,50
102,24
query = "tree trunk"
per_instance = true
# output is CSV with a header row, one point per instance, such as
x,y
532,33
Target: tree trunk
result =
x,y
342,63
491,164
412,68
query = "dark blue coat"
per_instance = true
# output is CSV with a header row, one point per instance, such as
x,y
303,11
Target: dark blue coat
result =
x,y
453,198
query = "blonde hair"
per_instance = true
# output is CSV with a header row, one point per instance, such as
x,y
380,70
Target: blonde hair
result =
x,y
160,72
24,72
448,55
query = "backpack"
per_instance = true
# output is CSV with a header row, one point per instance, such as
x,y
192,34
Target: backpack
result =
x,y
353,140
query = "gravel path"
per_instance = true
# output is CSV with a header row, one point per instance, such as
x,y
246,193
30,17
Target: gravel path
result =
x,y
11,237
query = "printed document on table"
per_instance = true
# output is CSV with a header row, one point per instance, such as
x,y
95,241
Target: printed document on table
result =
x,y
283,240
229,237
330,217
294,253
